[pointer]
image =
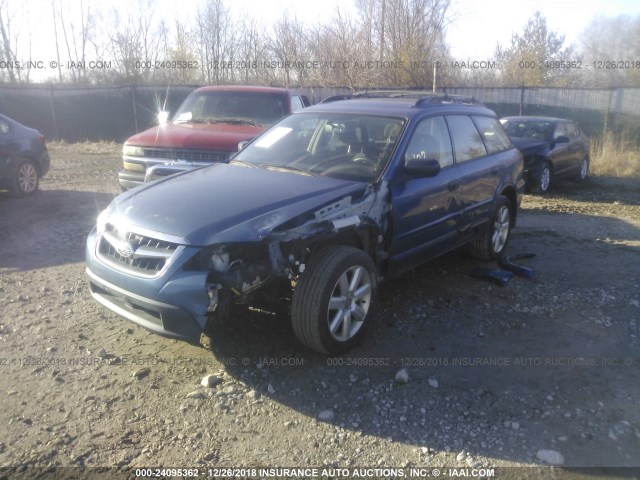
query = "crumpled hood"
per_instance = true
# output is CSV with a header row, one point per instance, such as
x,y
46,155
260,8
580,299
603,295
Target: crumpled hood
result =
x,y
530,146
227,203
217,136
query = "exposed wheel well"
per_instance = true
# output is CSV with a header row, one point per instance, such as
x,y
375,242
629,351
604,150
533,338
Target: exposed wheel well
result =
x,y
512,196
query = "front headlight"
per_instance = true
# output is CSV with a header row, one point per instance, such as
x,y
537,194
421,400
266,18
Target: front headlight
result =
x,y
132,151
102,218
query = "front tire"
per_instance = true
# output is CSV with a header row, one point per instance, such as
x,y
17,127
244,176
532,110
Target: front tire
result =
x,y
541,181
332,303
26,178
491,242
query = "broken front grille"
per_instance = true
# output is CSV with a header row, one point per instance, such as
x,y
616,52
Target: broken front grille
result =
x,y
134,253
187,154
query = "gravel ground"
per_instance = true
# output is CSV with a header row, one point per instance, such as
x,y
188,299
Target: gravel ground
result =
x,y
457,371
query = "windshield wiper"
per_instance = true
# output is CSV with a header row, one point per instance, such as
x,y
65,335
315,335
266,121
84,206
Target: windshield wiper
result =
x,y
242,162
286,168
237,121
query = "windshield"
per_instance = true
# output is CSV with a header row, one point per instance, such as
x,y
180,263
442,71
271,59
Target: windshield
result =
x,y
347,146
541,129
246,108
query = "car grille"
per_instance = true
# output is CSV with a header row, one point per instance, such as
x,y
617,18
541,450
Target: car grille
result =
x,y
134,253
187,155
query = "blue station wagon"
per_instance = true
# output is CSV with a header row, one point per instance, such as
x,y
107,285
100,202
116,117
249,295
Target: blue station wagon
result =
x,y
316,211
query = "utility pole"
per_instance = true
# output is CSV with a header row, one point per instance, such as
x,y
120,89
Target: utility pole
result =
x,y
435,71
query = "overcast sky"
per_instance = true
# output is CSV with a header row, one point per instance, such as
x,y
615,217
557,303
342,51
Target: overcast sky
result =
x,y
475,27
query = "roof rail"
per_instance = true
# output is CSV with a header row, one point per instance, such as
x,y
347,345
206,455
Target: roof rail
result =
x,y
422,97
440,98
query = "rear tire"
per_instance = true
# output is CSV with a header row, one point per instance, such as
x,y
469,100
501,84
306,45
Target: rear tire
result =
x,y
583,174
332,303
491,242
26,178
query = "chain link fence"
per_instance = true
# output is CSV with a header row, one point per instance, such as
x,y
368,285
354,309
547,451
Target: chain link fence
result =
x,y
77,114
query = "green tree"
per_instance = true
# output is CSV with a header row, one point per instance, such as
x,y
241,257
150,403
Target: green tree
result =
x,y
529,60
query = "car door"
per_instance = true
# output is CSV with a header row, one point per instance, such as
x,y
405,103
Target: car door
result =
x,y
576,148
425,209
479,169
8,145
560,151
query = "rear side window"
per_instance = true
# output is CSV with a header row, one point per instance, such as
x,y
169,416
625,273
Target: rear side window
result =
x,y
494,136
430,140
467,143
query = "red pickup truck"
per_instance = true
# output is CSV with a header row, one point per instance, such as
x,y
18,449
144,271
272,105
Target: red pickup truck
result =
x,y
207,128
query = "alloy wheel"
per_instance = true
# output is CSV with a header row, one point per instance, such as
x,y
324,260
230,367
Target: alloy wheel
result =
x,y
349,303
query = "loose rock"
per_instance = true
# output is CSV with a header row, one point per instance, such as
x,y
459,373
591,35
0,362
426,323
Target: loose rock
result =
x,y
141,373
402,376
210,381
326,415
551,457
196,394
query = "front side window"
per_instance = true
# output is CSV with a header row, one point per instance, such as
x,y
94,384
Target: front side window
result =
x,y
430,140
560,131
347,146
494,136
572,131
467,143
243,108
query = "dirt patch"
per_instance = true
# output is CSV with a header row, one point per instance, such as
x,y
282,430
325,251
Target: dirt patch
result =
x,y
496,375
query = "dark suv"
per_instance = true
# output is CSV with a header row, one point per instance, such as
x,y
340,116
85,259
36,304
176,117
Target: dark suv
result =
x,y
316,211
206,128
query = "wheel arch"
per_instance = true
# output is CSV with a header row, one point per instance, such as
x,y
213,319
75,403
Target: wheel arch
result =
x,y
512,195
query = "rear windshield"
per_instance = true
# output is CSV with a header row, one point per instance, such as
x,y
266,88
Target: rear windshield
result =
x,y
529,128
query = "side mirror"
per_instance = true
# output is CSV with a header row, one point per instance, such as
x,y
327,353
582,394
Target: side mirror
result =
x,y
242,144
163,117
561,139
421,167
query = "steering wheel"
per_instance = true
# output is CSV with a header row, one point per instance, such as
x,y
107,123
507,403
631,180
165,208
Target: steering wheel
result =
x,y
362,159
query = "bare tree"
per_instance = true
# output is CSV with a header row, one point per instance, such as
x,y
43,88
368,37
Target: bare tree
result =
x,y
340,48
136,45
180,50
77,24
288,52
9,43
609,43
251,53
216,42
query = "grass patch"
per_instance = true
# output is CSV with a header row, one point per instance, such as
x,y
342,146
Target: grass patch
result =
x,y
88,148
615,156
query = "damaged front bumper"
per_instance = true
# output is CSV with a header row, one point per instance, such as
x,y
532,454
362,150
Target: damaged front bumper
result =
x,y
174,304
